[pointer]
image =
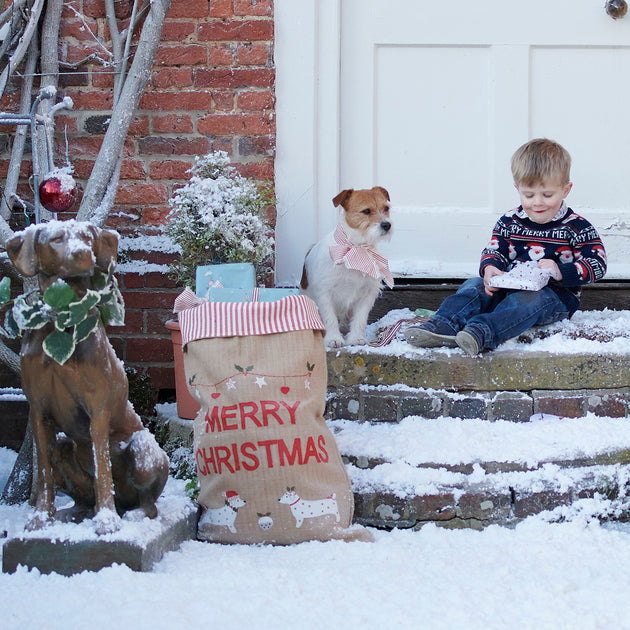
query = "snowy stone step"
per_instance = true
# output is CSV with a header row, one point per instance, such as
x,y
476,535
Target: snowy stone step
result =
x,y
471,473
458,445
397,495
568,368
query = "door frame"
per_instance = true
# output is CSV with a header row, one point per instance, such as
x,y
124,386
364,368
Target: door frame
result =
x,y
307,163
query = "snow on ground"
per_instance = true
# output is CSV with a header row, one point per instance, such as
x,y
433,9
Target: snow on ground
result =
x,y
538,575
541,574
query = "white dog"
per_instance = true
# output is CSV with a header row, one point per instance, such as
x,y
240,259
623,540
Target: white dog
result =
x,y
343,271
302,509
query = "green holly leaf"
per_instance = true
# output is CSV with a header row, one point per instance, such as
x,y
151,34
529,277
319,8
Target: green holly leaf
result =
x,y
62,319
99,279
117,313
85,328
59,346
78,311
29,316
5,289
112,305
11,329
59,295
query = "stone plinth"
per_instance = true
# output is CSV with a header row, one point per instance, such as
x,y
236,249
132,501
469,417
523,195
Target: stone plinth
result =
x,y
50,553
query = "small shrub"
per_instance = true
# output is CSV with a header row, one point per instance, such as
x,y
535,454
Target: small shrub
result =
x,y
217,217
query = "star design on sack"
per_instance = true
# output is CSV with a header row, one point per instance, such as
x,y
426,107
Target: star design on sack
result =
x,y
307,384
260,381
231,384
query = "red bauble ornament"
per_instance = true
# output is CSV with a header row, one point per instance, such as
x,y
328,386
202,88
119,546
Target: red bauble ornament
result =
x,y
58,191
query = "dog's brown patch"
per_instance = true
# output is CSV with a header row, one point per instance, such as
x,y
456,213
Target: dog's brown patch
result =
x,y
364,207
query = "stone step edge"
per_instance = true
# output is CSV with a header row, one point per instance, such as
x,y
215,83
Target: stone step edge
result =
x,y
608,458
479,505
493,371
394,402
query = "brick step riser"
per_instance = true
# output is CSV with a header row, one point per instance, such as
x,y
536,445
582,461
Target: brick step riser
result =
x,y
475,508
385,404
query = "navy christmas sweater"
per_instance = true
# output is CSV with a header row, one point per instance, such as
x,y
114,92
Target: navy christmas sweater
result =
x,y
569,239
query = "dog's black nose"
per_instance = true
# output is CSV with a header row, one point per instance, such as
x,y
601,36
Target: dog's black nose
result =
x,y
385,226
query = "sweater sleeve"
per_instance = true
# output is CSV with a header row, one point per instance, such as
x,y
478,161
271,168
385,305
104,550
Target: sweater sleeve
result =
x,y
497,251
589,263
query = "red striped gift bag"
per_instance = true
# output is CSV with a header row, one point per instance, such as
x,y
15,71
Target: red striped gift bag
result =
x,y
269,468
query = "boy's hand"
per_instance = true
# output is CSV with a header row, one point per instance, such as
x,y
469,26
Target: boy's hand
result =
x,y
548,263
488,272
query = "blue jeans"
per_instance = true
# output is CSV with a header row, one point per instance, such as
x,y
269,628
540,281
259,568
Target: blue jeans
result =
x,y
494,319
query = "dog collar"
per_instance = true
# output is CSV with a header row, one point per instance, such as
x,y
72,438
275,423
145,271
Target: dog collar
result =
x,y
359,257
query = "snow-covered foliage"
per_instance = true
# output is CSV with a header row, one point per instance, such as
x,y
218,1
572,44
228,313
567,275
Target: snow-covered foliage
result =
x,y
217,218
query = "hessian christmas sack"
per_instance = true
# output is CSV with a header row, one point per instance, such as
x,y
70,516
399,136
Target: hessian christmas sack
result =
x,y
269,468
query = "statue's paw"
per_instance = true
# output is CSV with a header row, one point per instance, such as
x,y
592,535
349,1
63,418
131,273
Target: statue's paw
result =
x,y
106,521
150,509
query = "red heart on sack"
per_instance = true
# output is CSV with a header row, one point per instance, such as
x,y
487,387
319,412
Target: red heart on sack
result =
x,y
284,390
215,395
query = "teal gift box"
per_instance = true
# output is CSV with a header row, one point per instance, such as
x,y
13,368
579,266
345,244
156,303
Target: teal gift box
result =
x,y
216,294
228,275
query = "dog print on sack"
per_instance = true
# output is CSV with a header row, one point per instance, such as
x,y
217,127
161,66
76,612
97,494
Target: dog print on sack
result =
x,y
224,516
302,509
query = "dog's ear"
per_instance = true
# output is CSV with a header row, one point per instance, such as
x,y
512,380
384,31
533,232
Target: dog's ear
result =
x,y
105,248
342,197
382,190
21,251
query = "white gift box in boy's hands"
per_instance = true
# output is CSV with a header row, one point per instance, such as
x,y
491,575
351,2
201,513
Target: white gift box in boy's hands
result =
x,y
526,276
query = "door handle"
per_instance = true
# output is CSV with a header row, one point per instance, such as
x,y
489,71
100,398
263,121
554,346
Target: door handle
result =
x,y
616,8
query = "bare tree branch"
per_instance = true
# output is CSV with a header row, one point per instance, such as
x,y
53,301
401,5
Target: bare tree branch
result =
x,y
25,40
97,198
19,140
10,359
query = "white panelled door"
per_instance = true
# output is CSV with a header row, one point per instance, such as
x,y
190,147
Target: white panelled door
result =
x,y
430,99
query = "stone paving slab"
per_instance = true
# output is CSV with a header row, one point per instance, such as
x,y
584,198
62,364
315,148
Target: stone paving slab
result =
x,y
68,557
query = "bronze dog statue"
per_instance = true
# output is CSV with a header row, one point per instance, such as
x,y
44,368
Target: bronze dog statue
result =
x,y
89,441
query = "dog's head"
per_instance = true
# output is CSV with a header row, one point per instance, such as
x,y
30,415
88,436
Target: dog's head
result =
x,y
62,249
365,214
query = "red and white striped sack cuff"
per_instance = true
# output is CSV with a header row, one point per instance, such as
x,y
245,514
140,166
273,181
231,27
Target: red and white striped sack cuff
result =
x,y
238,319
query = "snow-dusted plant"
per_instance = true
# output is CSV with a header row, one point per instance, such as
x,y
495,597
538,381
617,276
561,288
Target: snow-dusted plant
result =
x,y
217,217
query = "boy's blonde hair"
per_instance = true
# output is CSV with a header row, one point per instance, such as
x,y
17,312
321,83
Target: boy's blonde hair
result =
x,y
540,160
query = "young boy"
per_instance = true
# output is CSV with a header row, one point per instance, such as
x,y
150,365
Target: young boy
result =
x,y
479,316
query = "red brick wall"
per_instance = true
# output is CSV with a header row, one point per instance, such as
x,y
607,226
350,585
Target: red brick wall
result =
x,y
212,87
